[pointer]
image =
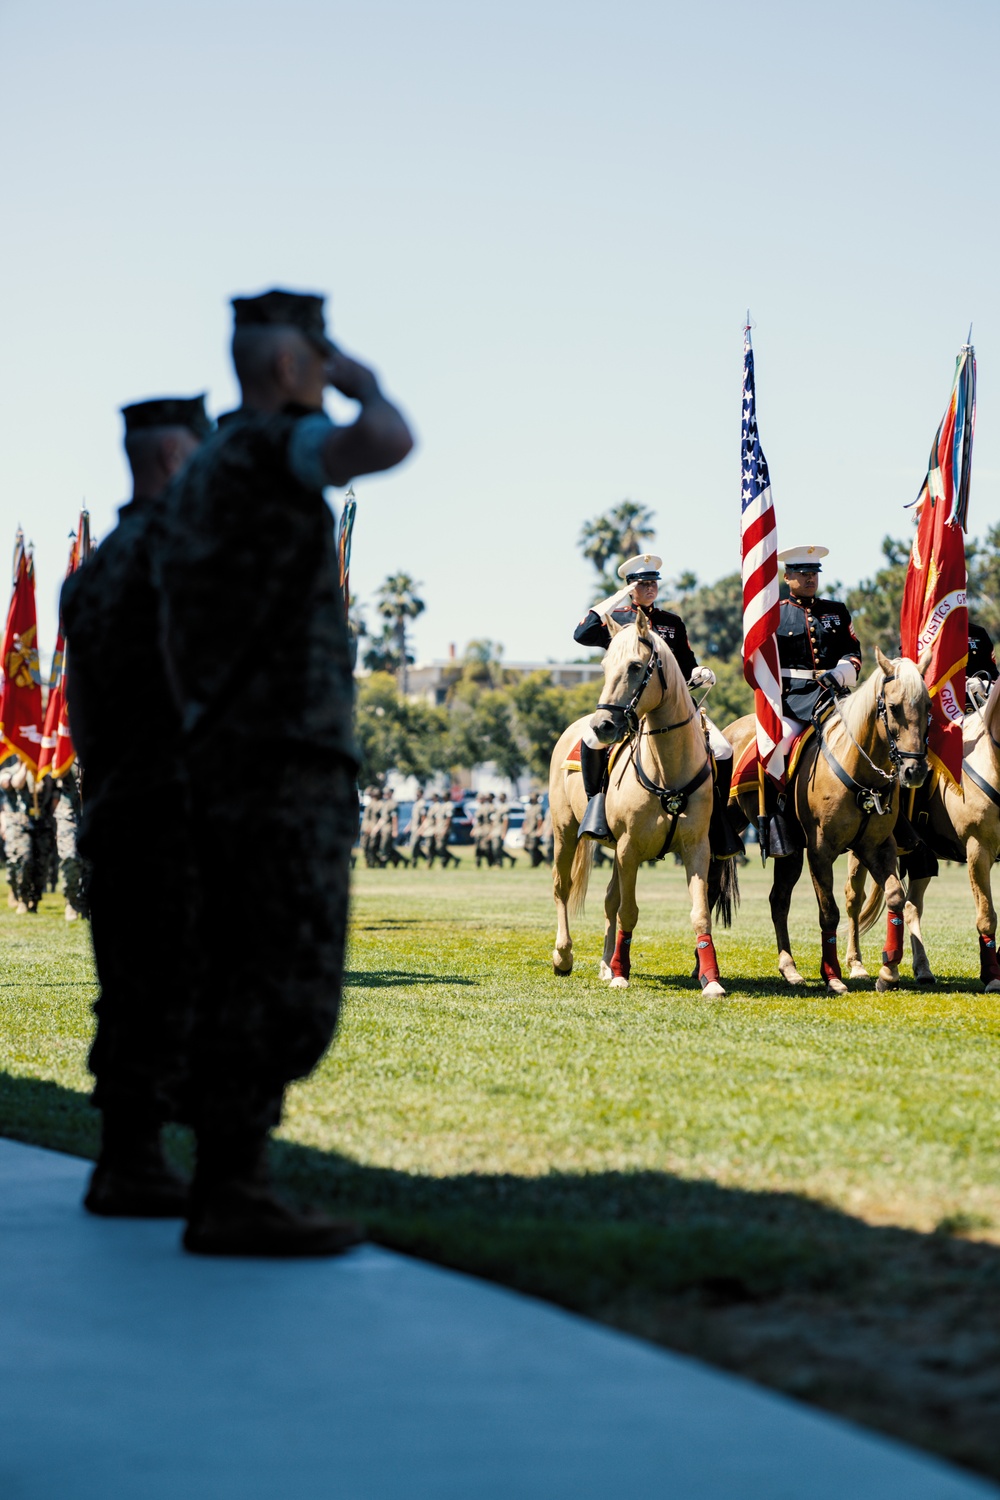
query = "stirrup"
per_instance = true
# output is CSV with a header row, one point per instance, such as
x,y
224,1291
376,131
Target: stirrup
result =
x,y
594,823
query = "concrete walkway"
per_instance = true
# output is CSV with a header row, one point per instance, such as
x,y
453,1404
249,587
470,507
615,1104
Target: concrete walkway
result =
x,y
129,1371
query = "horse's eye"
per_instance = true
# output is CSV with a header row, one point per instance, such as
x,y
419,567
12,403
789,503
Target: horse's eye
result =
x,y
897,709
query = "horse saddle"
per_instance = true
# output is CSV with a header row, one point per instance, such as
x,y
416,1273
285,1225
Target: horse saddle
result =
x,y
745,772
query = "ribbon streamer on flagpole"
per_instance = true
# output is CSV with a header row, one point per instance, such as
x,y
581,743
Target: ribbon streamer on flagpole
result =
x,y
344,547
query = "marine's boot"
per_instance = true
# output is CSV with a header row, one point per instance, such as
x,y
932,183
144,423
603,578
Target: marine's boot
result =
x,y
132,1179
594,770
906,836
235,1211
784,836
725,841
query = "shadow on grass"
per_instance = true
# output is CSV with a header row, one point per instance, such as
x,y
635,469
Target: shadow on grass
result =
x,y
573,1237
382,924
839,1308
382,978
739,988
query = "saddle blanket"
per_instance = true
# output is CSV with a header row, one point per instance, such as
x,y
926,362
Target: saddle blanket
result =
x,y
572,761
745,774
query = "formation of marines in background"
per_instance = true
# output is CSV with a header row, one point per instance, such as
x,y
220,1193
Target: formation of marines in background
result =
x,y
38,829
429,832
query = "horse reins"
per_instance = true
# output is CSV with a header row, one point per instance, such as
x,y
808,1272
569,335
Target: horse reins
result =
x,y
673,800
869,799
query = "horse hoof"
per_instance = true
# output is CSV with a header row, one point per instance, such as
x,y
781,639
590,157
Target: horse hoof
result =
x,y
858,971
884,985
561,965
713,991
993,988
604,971
791,975
563,973
619,982
836,986
928,982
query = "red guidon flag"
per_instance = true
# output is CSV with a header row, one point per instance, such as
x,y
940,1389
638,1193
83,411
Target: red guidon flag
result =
x,y
57,746
21,694
935,616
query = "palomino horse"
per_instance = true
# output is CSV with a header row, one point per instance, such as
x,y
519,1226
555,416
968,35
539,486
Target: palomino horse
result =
x,y
846,791
969,821
660,795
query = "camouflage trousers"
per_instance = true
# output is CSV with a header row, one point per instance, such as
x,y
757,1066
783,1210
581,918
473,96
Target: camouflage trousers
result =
x,y
72,868
221,971
24,868
139,885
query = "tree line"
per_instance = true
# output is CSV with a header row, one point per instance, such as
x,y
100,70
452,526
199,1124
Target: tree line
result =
x,y
490,713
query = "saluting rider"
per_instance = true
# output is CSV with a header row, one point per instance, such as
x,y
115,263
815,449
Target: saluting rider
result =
x,y
642,582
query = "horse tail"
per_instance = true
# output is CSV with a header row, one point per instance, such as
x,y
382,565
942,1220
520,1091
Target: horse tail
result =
x,y
579,878
872,909
727,902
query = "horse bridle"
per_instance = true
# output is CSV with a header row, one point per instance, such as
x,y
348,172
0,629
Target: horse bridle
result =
x,y
630,710
896,755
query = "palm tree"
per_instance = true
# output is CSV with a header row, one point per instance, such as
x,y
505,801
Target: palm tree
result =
x,y
599,542
620,532
397,603
635,527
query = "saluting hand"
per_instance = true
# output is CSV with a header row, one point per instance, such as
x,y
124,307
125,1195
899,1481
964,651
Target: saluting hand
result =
x,y
350,377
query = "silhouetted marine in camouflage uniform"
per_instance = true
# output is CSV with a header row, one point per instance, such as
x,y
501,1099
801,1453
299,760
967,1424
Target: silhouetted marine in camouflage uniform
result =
x,y
24,870
125,726
531,829
72,867
257,648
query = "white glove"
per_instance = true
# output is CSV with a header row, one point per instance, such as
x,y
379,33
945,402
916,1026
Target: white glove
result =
x,y
608,606
845,674
702,677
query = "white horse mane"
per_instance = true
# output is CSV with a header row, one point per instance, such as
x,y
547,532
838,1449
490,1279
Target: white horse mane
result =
x,y
860,706
628,637
991,712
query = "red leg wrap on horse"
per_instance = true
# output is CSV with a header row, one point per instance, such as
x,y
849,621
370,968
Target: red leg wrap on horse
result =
x,y
830,966
708,964
892,953
621,960
989,968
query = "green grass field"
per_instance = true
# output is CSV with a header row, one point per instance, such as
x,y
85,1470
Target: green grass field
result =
x,y
802,1188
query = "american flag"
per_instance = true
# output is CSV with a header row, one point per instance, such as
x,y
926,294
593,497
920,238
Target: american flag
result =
x,y
759,543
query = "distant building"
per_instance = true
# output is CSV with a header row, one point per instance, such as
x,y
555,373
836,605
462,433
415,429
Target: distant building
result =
x,y
429,681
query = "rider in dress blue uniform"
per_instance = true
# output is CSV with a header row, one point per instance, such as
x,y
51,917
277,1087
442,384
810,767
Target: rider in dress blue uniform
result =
x,y
642,580
981,670
819,653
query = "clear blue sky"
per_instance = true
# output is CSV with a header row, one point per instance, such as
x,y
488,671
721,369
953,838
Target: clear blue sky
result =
x,y
543,223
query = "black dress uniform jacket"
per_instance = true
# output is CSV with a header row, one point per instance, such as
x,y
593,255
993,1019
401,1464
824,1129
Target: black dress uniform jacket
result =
x,y
982,659
813,636
592,631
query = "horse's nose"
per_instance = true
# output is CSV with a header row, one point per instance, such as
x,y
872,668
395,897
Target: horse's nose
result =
x,y
604,728
914,773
